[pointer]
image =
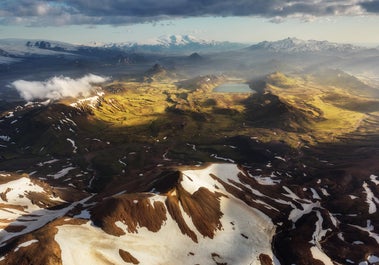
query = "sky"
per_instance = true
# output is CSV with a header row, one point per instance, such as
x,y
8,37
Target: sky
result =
x,y
247,21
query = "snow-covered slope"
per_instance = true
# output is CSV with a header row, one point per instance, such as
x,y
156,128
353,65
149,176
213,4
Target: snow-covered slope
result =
x,y
197,222
23,204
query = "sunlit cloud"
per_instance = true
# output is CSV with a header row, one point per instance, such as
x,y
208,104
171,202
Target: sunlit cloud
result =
x,y
57,87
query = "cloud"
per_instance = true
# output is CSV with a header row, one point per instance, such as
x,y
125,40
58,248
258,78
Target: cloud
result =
x,y
57,87
116,12
371,6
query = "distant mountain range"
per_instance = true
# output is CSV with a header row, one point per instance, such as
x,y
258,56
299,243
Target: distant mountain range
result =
x,y
294,45
24,47
11,49
187,55
175,44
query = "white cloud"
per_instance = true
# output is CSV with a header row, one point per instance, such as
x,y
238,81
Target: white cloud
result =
x,y
57,87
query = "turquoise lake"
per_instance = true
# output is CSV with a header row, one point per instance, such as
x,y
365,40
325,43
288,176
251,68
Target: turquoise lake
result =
x,y
233,88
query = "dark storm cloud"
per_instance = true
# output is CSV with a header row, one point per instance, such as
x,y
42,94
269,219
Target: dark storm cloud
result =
x,y
266,8
62,12
372,6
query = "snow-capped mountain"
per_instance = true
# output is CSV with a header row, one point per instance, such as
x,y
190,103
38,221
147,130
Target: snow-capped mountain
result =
x,y
166,40
14,50
294,45
176,44
23,47
20,50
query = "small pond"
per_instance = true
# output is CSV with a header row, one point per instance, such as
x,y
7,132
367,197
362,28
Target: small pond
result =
x,y
233,88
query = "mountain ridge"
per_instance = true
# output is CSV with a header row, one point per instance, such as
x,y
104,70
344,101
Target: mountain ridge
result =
x,y
298,45
176,43
179,44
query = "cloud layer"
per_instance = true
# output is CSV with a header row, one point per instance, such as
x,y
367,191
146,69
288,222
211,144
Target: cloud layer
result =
x,y
57,87
63,12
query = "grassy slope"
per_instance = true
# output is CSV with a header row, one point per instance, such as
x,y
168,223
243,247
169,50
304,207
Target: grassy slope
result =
x,y
338,111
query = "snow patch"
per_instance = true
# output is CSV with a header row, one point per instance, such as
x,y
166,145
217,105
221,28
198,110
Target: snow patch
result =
x,y
373,259
325,192
61,173
281,158
268,181
319,233
222,158
319,255
88,101
73,145
370,199
122,162
85,214
25,244
374,179
315,194
47,162
9,115
5,138
164,156
297,213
